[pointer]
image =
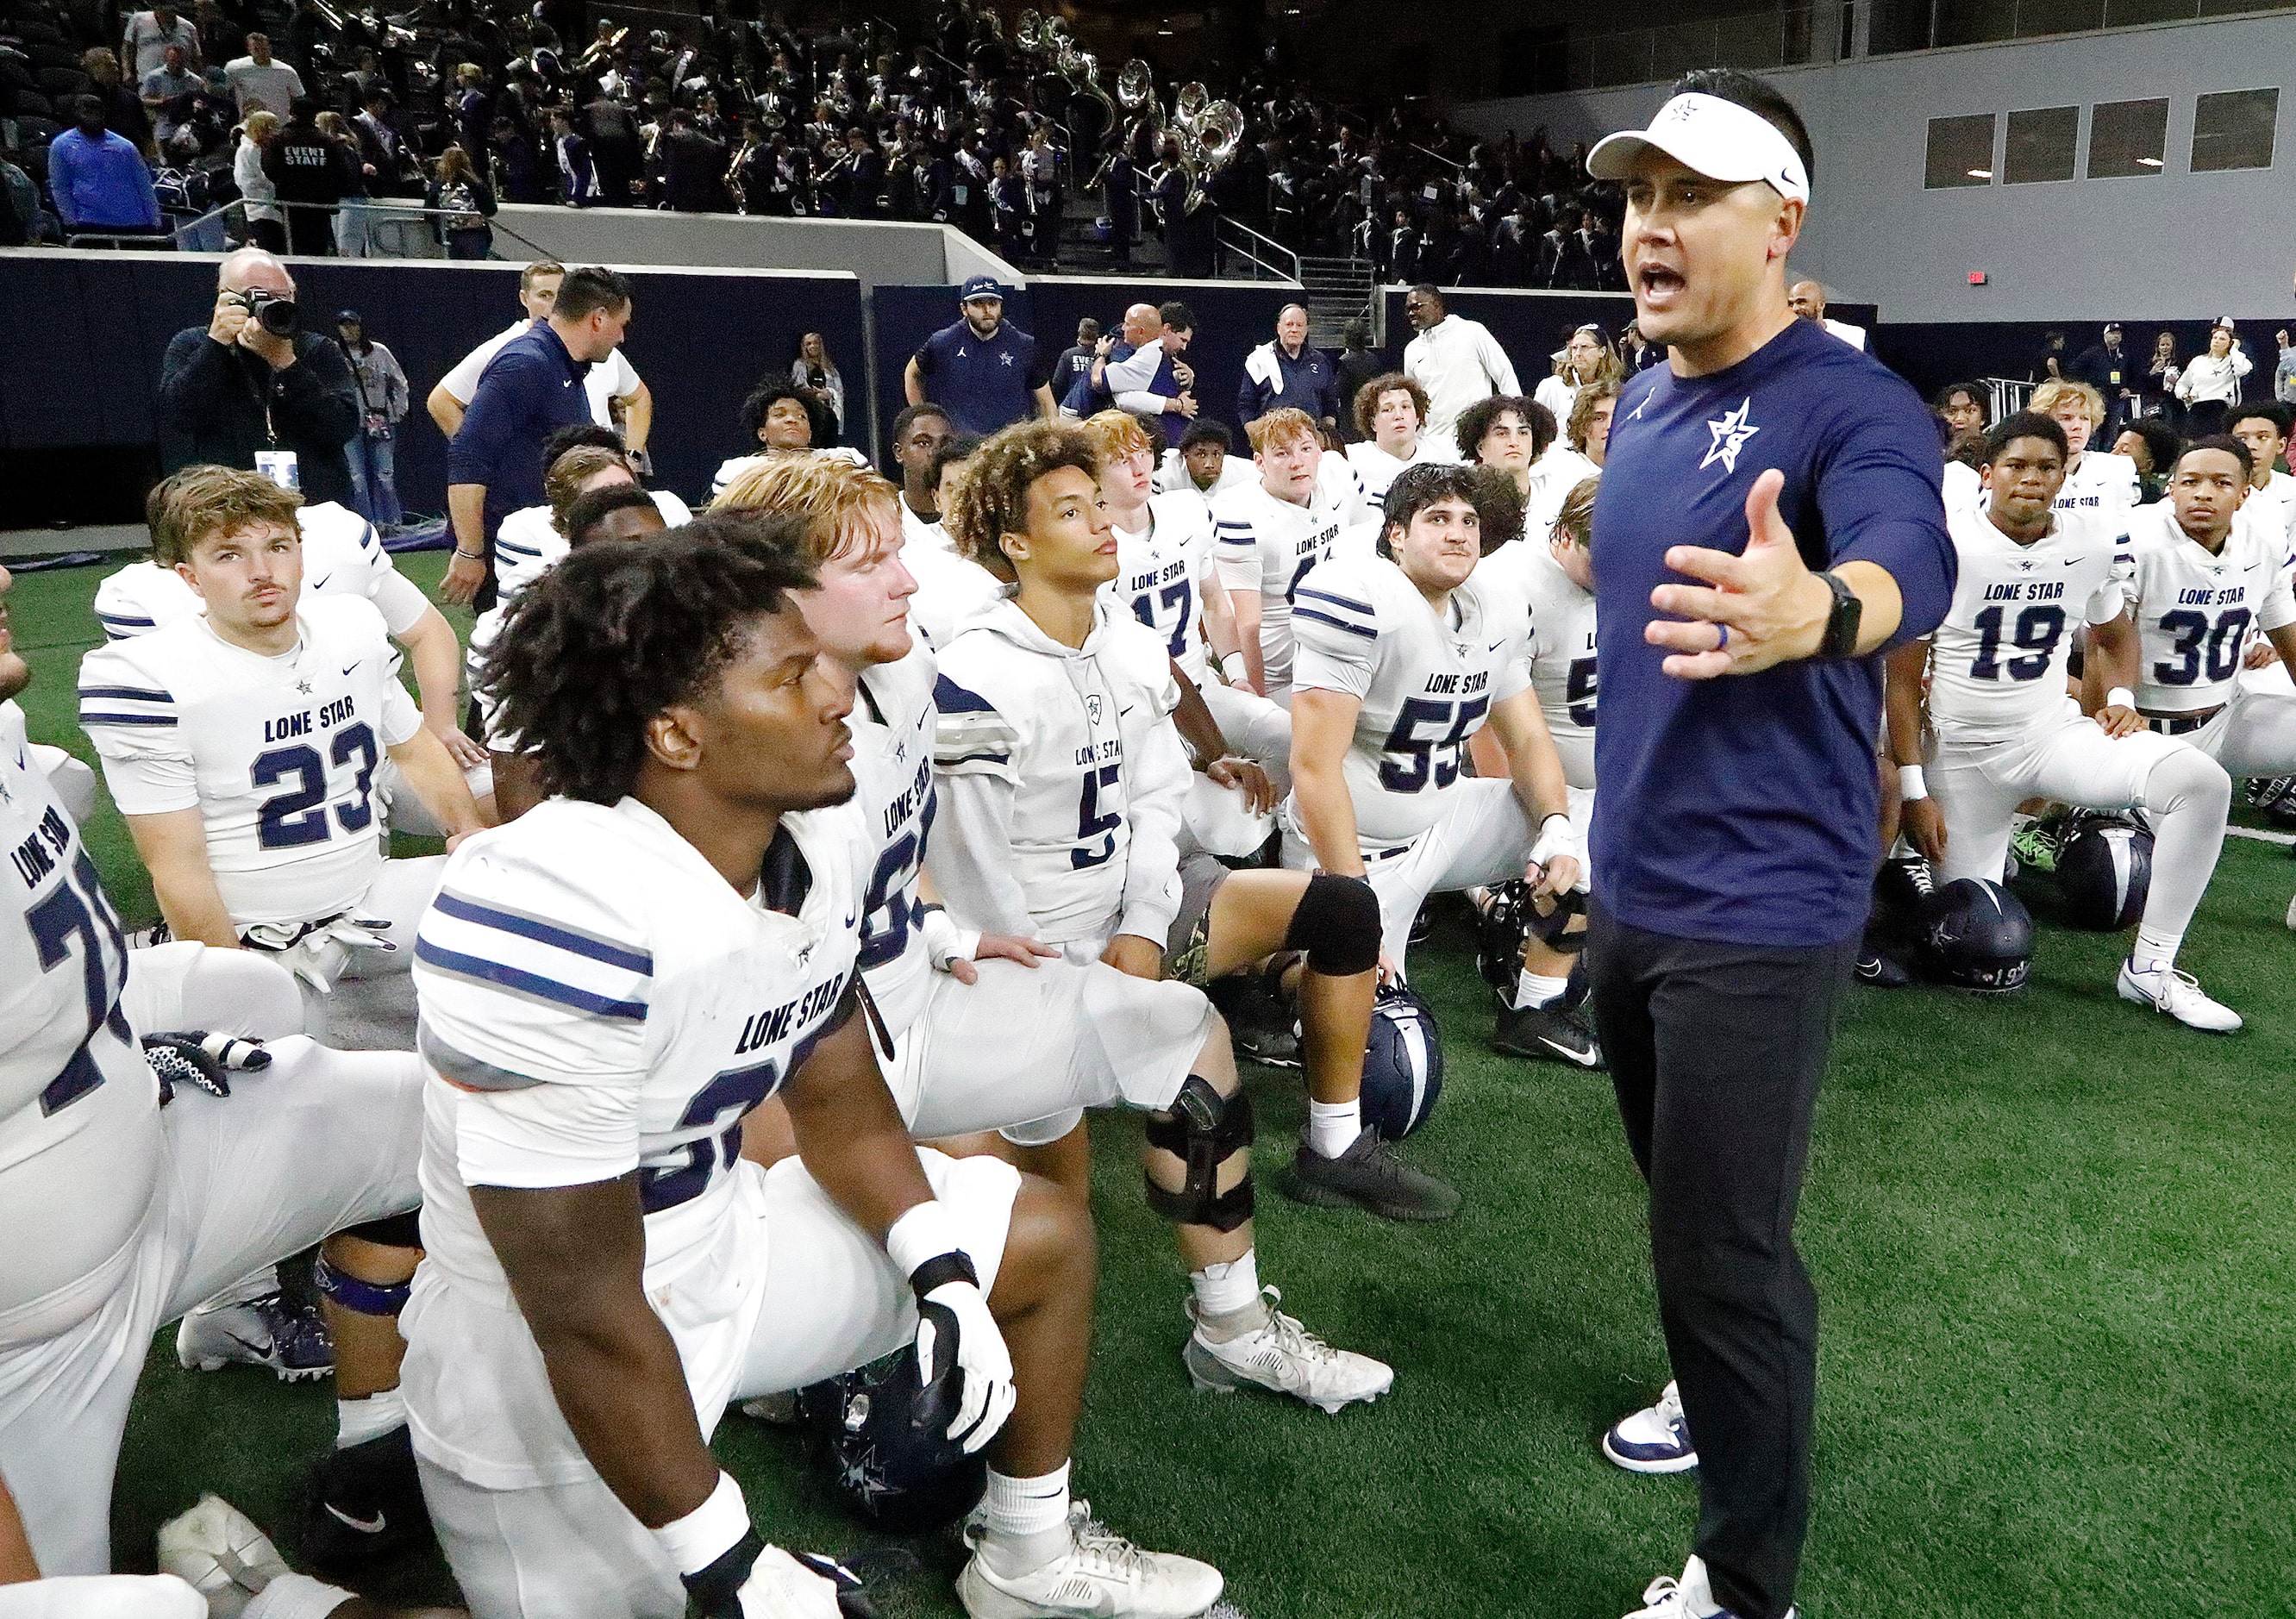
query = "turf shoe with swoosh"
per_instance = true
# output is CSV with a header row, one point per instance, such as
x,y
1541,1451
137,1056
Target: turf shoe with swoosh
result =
x,y
1370,1174
1688,1597
1284,1358
2178,995
217,1551
1655,1439
269,1330
1101,1575
1544,1031
362,1504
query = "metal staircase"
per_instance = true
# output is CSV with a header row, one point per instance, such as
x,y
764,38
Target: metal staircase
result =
x,y
1339,290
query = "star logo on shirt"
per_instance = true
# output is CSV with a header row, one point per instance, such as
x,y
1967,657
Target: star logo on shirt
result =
x,y
1007,358
303,686
1731,430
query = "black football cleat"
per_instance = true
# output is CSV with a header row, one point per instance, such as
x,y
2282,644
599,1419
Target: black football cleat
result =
x,y
1368,1176
1880,971
1548,1032
363,1505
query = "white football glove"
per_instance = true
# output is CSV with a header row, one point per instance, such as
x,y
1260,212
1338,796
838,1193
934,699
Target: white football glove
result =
x,y
1557,839
955,1331
320,955
780,1587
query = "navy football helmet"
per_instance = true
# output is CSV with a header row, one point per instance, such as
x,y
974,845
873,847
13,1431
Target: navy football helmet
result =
x,y
882,1442
1976,935
2105,871
1403,1066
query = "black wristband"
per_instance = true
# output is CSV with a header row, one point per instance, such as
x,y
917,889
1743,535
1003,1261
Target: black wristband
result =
x,y
942,1269
715,1591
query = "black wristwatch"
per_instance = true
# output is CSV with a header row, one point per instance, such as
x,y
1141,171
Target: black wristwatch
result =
x,y
1841,638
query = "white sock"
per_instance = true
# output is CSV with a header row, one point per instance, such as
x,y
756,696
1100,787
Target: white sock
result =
x,y
1224,1290
2188,795
356,1421
1027,1520
1533,989
296,1597
1332,1126
2154,951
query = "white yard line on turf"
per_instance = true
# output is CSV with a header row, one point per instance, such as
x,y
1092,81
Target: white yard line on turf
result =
x,y
2282,838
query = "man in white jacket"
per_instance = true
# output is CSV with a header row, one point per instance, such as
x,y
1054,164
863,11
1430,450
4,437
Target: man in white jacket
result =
x,y
1457,360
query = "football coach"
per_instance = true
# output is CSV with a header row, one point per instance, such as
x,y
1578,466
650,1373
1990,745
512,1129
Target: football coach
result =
x,y
1769,523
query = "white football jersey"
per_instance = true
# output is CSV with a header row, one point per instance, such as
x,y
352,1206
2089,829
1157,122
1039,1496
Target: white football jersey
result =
x,y
1563,654
611,379
342,556
1997,662
527,546
2275,505
1376,470
1161,576
600,1000
918,535
952,591
79,1117
1965,487
2102,486
279,754
1427,683
735,466
1084,739
2195,611
1268,545
892,722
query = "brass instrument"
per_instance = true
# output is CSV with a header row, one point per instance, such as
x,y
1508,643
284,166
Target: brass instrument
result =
x,y
608,46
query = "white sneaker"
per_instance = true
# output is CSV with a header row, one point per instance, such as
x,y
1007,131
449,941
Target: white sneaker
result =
x,y
2292,911
1688,1597
217,1550
1101,1575
2179,996
1286,1358
289,1340
1655,1439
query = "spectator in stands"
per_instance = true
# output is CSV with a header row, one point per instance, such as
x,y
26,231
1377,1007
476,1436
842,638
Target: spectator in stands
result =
x,y
1806,298
2211,385
1358,364
461,204
1287,370
382,398
1456,360
260,83
531,387
124,112
693,167
2112,371
98,179
2052,365
309,175
266,226
233,389
2158,386
1076,360
1585,357
2284,373
144,44
167,92
816,369
1961,410
1634,354
986,372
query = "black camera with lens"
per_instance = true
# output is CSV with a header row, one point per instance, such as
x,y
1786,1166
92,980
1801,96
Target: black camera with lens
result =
x,y
275,314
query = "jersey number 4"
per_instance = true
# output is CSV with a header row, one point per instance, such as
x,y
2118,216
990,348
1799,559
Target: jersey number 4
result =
x,y
1412,759
300,816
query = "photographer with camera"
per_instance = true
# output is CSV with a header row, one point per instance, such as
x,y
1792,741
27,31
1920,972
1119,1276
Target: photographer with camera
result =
x,y
249,390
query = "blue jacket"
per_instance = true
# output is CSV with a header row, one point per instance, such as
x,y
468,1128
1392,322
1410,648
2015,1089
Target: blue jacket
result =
x,y
531,388
1311,383
101,181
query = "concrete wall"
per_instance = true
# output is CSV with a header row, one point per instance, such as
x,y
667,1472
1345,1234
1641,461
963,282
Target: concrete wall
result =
x,y
2171,246
874,252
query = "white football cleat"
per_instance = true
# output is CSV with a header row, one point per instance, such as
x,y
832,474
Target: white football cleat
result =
x,y
2292,911
267,1331
1101,1575
1284,1358
2179,996
1655,1439
1688,1597
217,1551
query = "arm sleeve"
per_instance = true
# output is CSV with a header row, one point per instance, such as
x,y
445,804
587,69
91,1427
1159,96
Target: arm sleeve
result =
x,y
1878,493
317,400
1140,402
1040,369
970,855
496,405
401,719
1135,371
395,387
926,359
62,162
1249,397
399,598
1334,633
1160,778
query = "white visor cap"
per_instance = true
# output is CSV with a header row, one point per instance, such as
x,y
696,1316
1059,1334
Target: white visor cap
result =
x,y
1710,136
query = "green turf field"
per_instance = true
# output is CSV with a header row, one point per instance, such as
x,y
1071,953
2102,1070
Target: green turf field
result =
x,y
2052,1234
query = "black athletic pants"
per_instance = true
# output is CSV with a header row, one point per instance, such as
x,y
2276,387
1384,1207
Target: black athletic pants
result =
x,y
1716,1051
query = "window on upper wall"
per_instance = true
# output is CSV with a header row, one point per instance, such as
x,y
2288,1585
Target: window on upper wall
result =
x,y
2041,140
2128,139
1960,152
2233,129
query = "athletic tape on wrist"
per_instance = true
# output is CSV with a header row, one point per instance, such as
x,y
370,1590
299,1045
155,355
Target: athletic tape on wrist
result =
x,y
923,1232
693,1543
1234,669
2120,697
1910,784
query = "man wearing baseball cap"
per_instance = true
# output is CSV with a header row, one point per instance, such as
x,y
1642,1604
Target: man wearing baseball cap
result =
x,y
984,374
1769,523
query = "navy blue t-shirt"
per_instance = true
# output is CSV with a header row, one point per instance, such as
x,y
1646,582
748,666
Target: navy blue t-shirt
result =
x,y
983,383
1743,809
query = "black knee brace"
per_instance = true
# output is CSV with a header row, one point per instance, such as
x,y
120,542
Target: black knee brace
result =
x,y
391,1232
1204,1130
1554,926
1337,924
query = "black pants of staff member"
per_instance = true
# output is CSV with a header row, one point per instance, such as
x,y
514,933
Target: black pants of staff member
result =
x,y
1716,1051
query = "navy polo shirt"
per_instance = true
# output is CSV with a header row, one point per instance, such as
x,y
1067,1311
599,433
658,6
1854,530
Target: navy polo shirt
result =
x,y
983,383
1743,810
529,390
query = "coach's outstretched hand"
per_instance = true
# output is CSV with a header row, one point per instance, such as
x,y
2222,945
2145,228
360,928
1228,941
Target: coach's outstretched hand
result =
x,y
1765,608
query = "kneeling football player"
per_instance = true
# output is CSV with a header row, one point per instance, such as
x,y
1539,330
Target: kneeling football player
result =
x,y
608,984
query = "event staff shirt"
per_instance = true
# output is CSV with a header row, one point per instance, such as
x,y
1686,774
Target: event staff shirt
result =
x,y
1743,809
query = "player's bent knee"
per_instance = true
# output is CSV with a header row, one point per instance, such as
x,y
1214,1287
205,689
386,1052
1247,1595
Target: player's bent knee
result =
x,y
2187,776
1051,1235
1337,924
1204,1130
333,1278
